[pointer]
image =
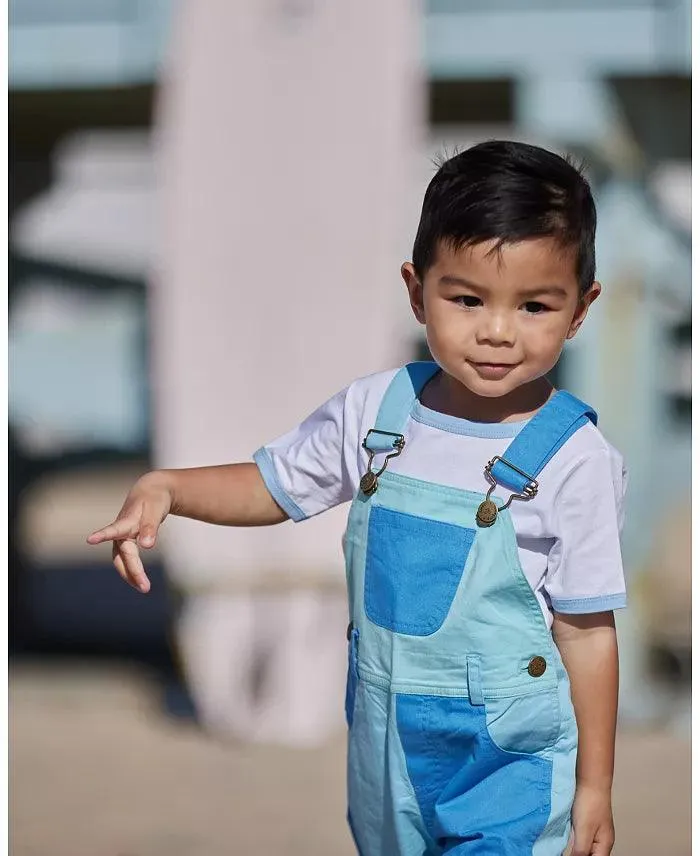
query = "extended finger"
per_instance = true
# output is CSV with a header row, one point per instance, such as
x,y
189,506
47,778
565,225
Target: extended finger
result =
x,y
121,528
118,563
136,575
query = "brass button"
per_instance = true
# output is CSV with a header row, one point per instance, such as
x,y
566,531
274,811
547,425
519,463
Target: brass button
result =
x,y
536,667
369,483
486,513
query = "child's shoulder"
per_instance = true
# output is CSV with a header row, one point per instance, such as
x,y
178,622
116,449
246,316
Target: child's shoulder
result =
x,y
589,449
368,391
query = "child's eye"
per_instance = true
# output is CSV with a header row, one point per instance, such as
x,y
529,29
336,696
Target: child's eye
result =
x,y
468,300
532,307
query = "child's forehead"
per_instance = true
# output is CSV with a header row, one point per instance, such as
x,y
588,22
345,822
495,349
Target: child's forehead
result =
x,y
533,258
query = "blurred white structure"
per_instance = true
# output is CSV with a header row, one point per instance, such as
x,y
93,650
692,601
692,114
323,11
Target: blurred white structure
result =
x,y
285,156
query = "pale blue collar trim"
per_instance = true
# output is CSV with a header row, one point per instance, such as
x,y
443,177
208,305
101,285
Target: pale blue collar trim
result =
x,y
455,425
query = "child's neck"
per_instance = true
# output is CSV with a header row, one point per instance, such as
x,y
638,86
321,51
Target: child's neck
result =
x,y
447,395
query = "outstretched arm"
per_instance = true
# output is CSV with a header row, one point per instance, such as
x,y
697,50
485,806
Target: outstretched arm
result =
x,y
230,495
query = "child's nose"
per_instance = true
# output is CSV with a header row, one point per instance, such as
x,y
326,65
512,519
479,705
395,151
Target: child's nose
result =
x,y
496,329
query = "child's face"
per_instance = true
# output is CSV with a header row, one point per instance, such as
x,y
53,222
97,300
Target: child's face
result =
x,y
496,321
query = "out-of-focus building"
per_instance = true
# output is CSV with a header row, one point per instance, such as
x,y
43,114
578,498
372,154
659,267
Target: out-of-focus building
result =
x,y
608,80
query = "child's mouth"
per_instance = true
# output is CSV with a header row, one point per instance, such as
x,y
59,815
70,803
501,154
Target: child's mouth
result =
x,y
493,370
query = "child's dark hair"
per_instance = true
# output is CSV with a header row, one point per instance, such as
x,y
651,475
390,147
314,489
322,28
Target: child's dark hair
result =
x,y
510,192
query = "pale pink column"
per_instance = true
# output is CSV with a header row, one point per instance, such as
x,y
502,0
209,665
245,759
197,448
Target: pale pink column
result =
x,y
287,129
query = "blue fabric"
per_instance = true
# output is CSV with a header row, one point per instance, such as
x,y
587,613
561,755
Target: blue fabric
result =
x,y
267,471
413,568
542,438
494,608
586,605
525,723
396,404
454,746
381,442
351,684
353,834
555,836
474,684
475,798
385,815
494,622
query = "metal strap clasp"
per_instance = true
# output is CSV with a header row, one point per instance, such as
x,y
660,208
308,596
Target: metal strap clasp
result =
x,y
528,492
370,480
487,512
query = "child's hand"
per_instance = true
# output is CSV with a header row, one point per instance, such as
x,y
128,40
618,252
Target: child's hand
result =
x,y
594,833
148,503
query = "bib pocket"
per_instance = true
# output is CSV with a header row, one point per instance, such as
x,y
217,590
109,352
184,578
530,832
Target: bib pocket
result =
x,y
413,569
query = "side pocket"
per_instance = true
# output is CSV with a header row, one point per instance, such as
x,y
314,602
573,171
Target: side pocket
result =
x,y
527,724
351,685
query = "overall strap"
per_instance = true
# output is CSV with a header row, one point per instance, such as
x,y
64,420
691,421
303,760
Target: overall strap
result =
x,y
541,439
397,403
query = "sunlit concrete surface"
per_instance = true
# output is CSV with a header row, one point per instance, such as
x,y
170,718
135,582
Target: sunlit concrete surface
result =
x,y
97,770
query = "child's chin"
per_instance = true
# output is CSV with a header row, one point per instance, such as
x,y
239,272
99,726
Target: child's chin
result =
x,y
491,389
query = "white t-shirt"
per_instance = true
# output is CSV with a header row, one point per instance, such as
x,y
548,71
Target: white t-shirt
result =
x,y
568,535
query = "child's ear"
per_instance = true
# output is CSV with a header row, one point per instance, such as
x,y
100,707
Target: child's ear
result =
x,y
415,291
584,303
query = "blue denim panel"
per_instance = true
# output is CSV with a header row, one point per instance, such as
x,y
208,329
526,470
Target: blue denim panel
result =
x,y
413,569
475,798
351,684
542,438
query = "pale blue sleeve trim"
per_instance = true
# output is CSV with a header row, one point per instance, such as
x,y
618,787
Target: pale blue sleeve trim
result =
x,y
267,471
583,605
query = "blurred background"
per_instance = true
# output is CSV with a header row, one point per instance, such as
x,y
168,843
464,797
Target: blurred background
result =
x,y
195,188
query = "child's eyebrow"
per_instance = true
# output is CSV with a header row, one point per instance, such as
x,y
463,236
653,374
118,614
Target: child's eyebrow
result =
x,y
448,279
538,290
551,290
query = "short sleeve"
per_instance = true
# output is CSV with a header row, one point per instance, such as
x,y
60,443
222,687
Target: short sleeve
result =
x,y
306,470
584,568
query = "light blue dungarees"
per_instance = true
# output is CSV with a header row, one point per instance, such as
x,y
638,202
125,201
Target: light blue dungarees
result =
x,y
462,733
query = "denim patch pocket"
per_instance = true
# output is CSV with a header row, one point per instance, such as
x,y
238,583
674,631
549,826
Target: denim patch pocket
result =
x,y
526,724
466,787
413,568
351,685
